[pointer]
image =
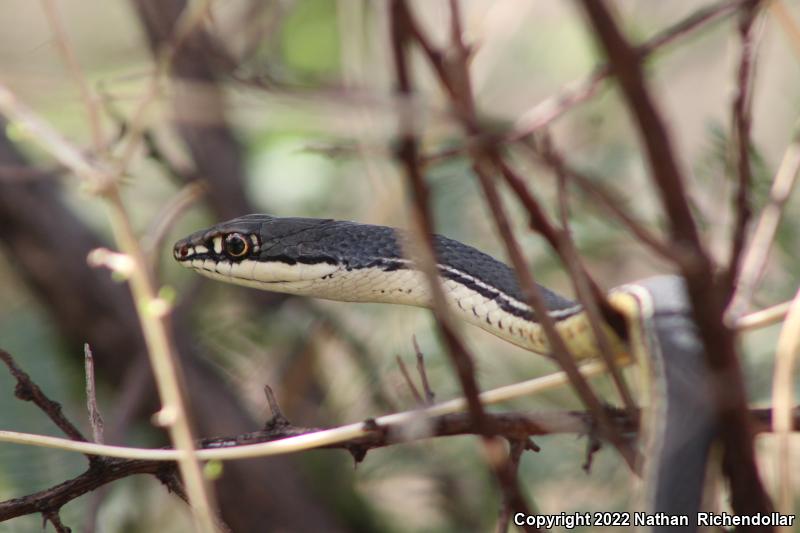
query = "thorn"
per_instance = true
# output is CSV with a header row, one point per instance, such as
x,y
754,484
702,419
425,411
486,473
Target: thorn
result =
x,y
277,420
532,446
593,445
359,453
371,425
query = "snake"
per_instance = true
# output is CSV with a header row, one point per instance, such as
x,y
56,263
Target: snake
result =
x,y
355,262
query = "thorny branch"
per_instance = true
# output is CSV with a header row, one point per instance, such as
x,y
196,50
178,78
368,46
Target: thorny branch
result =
x,y
705,293
516,427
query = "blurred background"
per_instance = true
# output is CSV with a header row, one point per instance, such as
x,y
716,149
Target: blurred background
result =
x,y
287,107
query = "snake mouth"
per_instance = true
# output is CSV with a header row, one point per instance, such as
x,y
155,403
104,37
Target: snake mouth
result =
x,y
183,251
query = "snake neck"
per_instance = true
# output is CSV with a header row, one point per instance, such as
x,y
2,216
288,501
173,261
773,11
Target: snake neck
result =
x,y
572,324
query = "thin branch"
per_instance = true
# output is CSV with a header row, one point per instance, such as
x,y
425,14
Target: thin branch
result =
x,y
626,67
765,317
374,433
95,418
246,446
407,377
741,111
517,427
534,298
516,447
757,255
55,497
25,173
191,17
381,432
277,420
90,100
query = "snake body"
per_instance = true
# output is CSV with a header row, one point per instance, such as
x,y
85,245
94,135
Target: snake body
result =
x,y
349,261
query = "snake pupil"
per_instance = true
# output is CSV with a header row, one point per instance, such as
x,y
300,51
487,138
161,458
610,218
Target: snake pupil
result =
x,y
236,245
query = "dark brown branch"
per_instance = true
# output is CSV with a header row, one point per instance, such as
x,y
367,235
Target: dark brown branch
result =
x,y
741,111
20,173
277,420
55,497
516,447
464,104
748,493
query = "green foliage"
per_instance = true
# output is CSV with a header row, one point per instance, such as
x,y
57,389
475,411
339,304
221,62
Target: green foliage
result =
x,y
310,39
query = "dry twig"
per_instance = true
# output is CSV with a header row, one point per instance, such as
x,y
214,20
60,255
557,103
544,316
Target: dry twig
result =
x,y
95,418
423,374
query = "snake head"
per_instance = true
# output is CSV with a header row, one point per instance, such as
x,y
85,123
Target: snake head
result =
x,y
233,241
262,251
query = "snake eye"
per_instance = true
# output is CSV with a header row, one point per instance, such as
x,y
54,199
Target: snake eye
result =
x,y
236,245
